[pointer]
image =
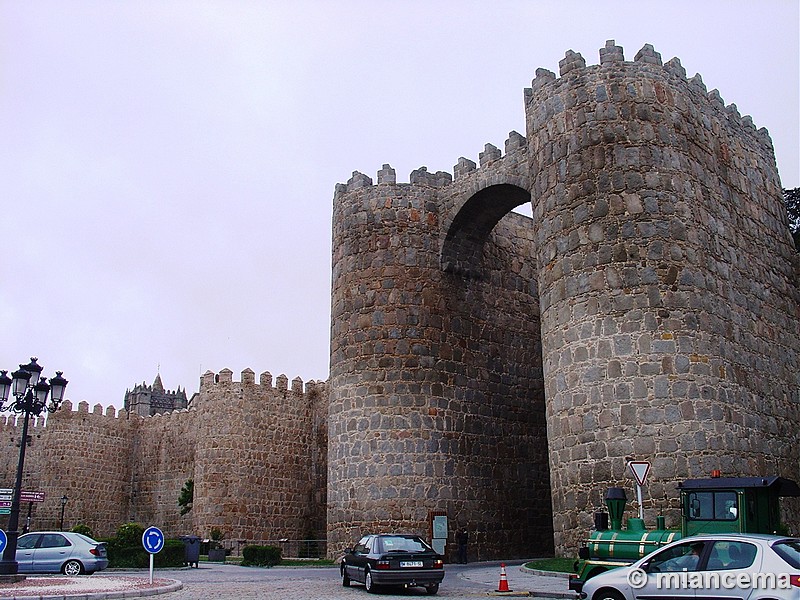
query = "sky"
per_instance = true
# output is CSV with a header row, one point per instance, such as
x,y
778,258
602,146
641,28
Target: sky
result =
x,y
167,168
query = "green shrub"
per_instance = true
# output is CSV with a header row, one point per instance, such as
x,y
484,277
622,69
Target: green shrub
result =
x,y
260,556
83,530
136,557
129,534
125,550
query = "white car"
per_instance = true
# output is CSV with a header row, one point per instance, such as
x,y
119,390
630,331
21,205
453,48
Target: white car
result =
x,y
708,567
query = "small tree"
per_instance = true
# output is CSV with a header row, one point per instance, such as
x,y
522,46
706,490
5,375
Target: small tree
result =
x,y
216,537
792,200
186,496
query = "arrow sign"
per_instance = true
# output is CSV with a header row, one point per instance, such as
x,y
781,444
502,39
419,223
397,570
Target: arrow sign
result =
x,y
153,540
3,540
640,469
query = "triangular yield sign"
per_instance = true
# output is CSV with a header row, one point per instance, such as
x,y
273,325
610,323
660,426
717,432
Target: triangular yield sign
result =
x,y
640,469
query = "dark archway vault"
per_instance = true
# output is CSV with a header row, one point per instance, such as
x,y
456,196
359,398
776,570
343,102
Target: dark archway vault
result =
x,y
463,247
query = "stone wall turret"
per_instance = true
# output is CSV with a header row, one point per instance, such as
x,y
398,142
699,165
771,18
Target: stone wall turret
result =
x,y
436,388
668,298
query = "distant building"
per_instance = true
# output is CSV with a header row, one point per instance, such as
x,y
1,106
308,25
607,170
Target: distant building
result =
x,y
145,400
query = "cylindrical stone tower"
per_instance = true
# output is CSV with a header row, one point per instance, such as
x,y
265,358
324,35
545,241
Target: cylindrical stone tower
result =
x,y
668,299
436,397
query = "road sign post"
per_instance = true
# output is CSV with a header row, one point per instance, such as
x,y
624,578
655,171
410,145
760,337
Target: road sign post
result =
x,y
640,469
153,542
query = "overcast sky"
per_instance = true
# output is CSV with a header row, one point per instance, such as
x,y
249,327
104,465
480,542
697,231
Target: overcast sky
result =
x,y
167,168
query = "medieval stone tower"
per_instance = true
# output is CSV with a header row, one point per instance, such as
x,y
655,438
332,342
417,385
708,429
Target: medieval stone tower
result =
x,y
503,369
148,400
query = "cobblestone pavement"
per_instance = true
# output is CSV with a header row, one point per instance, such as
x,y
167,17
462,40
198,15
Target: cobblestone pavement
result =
x,y
229,582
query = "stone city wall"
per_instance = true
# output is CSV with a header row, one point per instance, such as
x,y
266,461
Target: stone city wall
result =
x,y
254,451
649,308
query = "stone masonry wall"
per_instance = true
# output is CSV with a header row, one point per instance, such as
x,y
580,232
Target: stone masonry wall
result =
x,y
257,457
257,454
79,454
669,301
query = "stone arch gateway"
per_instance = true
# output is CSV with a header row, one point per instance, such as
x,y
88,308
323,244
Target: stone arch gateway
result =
x,y
503,369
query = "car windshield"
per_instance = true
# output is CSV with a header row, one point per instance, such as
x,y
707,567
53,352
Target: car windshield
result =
x,y
404,544
789,550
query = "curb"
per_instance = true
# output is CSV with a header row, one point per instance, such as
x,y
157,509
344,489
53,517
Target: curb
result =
x,y
173,586
558,574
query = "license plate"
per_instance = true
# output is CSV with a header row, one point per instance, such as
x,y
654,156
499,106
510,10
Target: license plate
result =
x,y
410,563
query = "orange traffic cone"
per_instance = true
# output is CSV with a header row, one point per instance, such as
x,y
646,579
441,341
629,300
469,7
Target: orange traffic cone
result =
x,y
503,585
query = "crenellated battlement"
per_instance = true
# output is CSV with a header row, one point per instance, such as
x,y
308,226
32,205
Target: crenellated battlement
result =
x,y
573,69
211,380
66,410
515,146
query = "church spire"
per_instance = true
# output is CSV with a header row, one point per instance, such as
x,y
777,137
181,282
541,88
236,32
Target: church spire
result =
x,y
157,385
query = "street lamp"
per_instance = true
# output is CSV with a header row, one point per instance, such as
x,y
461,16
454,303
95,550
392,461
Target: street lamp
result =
x,y
30,398
63,506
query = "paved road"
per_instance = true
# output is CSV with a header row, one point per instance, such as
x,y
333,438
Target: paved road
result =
x,y
230,582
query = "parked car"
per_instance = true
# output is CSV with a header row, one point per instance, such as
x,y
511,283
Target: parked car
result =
x,y
719,566
60,552
393,559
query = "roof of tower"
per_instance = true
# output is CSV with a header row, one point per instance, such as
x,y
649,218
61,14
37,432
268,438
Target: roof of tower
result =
x,y
157,385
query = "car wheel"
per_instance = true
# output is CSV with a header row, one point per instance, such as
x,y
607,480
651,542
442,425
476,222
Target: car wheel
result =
x,y
345,578
432,589
72,568
608,594
368,582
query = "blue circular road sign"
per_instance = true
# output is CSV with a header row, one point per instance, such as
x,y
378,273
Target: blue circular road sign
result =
x,y
153,540
3,540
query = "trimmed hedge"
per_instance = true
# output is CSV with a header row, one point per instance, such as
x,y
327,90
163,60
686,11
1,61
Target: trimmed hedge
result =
x,y
136,557
260,556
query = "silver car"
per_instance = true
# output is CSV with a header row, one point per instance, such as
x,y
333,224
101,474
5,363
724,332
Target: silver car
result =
x,y
719,567
60,552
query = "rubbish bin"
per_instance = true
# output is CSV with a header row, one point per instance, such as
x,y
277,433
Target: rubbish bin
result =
x,y
191,544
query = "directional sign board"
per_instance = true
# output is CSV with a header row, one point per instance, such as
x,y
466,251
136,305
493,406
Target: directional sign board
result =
x,y
5,493
640,469
3,541
28,496
153,540
5,503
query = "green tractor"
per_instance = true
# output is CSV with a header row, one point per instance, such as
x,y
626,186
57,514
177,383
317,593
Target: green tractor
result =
x,y
713,505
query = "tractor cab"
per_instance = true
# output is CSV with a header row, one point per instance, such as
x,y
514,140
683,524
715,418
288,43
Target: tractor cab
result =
x,y
733,504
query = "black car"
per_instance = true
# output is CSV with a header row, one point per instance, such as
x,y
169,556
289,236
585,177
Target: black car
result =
x,y
393,559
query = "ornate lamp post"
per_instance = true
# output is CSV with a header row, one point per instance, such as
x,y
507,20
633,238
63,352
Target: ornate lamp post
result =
x,y
63,506
30,398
